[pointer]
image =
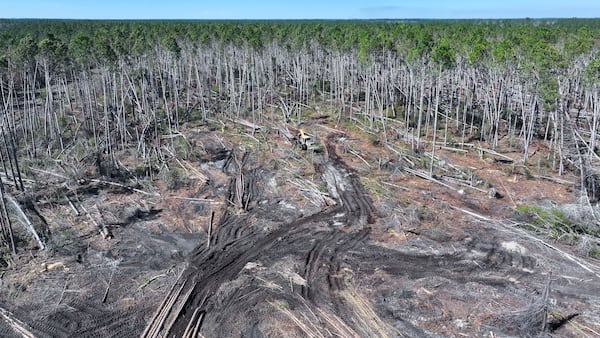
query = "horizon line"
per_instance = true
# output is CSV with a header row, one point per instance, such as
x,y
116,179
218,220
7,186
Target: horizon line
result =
x,y
298,19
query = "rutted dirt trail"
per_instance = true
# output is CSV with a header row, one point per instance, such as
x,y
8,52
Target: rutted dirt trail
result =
x,y
311,252
317,246
325,274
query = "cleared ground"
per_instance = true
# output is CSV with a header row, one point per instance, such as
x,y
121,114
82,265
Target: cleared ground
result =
x,y
265,239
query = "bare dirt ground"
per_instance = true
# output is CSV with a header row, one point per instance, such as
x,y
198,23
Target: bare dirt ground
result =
x,y
267,240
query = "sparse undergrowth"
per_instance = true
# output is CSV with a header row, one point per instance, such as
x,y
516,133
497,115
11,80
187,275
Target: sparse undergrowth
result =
x,y
555,224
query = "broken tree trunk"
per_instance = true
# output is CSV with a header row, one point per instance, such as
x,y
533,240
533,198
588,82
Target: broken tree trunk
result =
x,y
26,222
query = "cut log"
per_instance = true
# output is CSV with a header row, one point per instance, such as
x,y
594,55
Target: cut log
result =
x,y
18,326
253,126
26,222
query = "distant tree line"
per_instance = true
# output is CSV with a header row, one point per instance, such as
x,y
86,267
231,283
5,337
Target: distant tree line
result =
x,y
541,44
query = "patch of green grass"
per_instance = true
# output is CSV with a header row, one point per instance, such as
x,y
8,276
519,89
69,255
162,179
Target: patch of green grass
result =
x,y
175,179
552,221
183,149
374,187
541,216
322,188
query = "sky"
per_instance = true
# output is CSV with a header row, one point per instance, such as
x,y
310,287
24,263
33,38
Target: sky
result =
x,y
305,9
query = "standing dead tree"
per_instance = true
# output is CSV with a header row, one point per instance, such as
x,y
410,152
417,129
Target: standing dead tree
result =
x,y
5,222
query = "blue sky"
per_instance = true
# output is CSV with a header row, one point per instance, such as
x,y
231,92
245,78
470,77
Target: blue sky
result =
x,y
306,9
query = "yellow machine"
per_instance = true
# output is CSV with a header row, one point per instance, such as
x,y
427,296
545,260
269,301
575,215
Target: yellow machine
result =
x,y
303,139
307,141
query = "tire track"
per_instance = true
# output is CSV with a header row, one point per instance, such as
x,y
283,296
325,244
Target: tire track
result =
x,y
344,185
323,262
238,242
314,260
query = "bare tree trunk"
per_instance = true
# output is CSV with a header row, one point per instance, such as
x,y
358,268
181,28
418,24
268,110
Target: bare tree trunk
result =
x,y
6,222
